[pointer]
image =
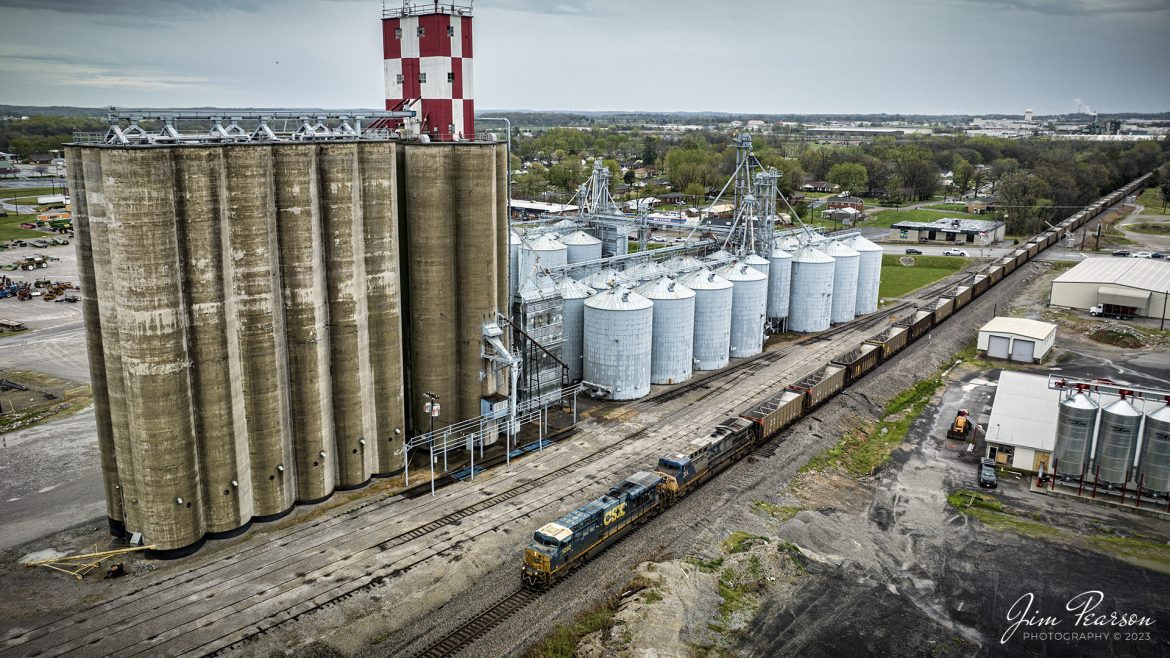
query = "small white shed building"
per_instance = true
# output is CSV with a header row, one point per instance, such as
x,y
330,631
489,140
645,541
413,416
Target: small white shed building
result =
x,y
1016,339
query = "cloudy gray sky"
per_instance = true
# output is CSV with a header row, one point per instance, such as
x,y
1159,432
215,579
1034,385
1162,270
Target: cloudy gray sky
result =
x,y
779,56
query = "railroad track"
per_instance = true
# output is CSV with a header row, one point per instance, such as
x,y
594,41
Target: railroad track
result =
x,y
451,643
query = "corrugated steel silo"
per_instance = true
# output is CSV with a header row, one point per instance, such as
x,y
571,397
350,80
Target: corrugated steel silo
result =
x,y
1117,436
581,247
713,297
642,272
844,303
544,251
869,273
680,265
749,308
573,325
779,285
718,258
1154,467
758,263
810,304
604,279
1075,424
617,343
514,243
672,351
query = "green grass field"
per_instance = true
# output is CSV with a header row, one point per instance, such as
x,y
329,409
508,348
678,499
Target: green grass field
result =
x,y
10,227
960,208
898,279
7,193
1152,200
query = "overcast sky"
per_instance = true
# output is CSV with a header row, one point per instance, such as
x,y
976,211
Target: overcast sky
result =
x,y
780,56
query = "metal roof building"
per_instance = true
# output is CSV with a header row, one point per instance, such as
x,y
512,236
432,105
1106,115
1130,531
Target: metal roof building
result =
x,y
1135,283
949,229
1022,428
1017,339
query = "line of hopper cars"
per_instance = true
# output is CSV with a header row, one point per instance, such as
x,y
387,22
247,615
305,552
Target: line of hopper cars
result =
x,y
558,547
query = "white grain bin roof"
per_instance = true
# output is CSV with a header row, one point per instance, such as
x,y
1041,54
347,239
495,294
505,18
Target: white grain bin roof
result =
x,y
859,243
618,299
739,271
665,288
546,242
515,237
837,249
579,238
753,260
1142,273
778,253
1024,327
705,279
571,289
810,254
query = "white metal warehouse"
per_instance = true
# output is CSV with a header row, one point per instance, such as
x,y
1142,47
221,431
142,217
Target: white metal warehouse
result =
x,y
1016,339
1137,283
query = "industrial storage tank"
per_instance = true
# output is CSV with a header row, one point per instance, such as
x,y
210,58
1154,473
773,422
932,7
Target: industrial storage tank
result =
x,y
604,279
1117,438
645,271
680,265
581,247
573,324
618,342
844,303
514,244
672,349
749,308
1154,467
718,258
713,295
810,304
789,243
1074,435
869,273
758,263
544,251
779,285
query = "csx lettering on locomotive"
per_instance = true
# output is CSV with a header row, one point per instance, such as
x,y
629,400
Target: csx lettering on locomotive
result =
x,y
615,514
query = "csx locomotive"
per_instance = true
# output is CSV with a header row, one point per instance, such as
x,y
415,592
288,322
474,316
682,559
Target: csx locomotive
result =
x,y
569,541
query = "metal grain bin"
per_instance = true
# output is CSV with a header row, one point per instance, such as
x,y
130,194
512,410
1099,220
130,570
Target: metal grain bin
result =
x,y
573,325
758,263
672,350
604,279
810,306
1117,437
580,246
749,306
1074,434
713,295
779,285
869,273
1154,467
542,251
617,343
514,243
843,307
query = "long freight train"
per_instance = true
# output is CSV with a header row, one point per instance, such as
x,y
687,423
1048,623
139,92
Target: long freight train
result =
x,y
558,547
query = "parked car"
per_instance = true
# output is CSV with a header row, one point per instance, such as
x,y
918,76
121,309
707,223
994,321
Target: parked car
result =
x,y
1143,254
59,241
987,475
1157,254
954,252
913,252
39,244
1121,252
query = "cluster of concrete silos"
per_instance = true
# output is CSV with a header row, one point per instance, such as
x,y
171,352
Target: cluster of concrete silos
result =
x,y
244,310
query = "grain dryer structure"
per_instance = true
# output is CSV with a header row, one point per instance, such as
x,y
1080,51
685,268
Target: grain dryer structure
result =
x,y
244,309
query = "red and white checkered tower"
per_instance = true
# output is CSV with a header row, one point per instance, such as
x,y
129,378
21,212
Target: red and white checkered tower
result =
x,y
427,52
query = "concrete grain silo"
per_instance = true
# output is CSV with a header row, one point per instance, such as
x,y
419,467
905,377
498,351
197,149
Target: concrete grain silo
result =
x,y
574,294
713,297
844,303
869,273
672,347
617,343
810,304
